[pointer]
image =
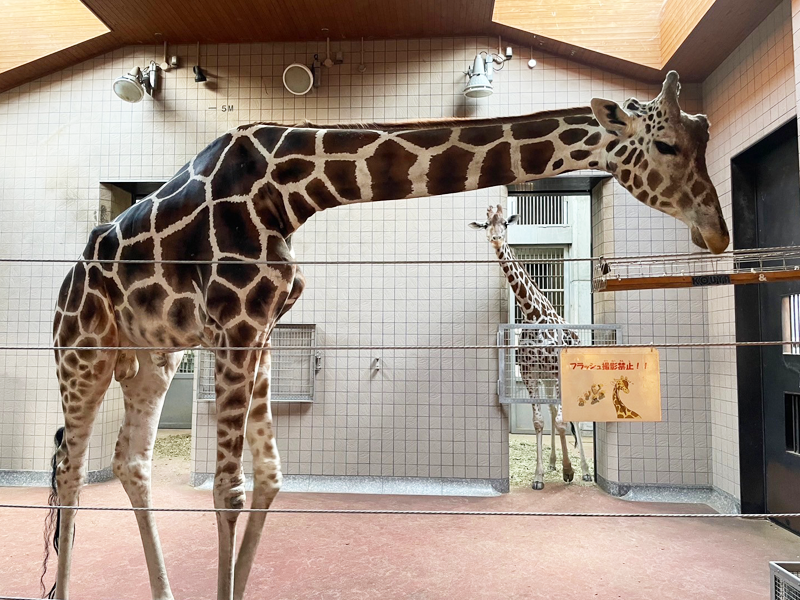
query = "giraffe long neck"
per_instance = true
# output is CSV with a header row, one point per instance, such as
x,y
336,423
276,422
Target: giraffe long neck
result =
x,y
623,412
535,306
313,168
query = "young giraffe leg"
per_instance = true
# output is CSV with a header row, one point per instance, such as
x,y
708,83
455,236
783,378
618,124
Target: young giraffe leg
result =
x,y
558,424
538,427
266,472
543,394
235,376
144,398
587,476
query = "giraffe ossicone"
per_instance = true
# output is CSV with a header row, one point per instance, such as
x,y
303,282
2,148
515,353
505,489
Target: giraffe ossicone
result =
x,y
207,261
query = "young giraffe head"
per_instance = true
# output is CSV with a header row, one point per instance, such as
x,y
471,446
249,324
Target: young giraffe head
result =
x,y
622,384
495,225
658,155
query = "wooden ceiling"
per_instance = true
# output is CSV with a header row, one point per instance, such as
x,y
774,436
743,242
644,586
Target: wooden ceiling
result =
x,y
49,25
717,32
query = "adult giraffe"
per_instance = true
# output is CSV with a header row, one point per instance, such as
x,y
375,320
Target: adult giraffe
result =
x,y
238,202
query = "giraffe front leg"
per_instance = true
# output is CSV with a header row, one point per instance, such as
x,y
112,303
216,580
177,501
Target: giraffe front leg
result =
x,y
587,476
235,373
558,423
144,398
538,427
267,475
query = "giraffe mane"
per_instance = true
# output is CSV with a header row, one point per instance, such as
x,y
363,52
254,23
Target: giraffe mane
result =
x,y
428,123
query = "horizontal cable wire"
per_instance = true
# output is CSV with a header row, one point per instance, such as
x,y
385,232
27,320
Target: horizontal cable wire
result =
x,y
666,345
370,511
742,254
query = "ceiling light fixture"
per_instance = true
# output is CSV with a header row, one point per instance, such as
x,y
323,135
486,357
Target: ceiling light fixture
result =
x,y
136,83
480,78
199,76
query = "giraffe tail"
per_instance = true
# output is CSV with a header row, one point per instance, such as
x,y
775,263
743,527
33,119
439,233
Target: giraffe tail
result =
x,y
574,432
52,523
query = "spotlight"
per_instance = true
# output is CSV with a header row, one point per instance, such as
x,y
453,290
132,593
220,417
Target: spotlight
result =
x,y
133,86
199,76
480,79
129,87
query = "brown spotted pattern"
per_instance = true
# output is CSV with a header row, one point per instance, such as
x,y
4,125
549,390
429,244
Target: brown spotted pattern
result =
x,y
233,209
537,358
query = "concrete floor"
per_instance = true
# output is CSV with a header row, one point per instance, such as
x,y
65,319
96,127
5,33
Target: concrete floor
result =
x,y
402,557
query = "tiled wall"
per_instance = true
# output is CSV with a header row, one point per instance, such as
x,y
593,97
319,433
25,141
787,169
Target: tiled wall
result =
x,y
425,413
748,96
675,451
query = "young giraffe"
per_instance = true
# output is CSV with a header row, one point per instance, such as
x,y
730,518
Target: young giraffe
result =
x,y
538,360
623,412
234,207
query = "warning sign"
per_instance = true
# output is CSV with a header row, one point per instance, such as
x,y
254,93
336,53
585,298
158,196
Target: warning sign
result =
x,y
610,384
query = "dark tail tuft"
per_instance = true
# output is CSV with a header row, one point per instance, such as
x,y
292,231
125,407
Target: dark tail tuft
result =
x,y
53,522
574,433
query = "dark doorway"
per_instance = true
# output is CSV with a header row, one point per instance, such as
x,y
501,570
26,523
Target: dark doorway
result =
x,y
766,208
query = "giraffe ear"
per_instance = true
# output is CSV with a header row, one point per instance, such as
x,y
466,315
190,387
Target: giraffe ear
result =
x,y
611,115
475,225
512,219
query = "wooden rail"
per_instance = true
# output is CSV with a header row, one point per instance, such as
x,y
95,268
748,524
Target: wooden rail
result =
x,y
623,284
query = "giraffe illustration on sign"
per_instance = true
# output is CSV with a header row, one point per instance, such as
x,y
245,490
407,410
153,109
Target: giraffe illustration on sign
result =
x,y
537,356
207,261
623,412
594,395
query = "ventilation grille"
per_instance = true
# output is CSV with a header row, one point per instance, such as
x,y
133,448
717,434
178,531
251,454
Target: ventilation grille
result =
x,y
790,317
547,272
541,209
292,371
187,364
793,423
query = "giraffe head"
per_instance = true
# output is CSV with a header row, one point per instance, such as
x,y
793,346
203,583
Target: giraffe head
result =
x,y
622,384
659,156
495,225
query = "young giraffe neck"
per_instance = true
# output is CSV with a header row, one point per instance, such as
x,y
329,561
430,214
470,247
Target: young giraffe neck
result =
x,y
314,168
535,306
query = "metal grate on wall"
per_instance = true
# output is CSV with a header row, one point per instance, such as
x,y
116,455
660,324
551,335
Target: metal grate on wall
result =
x,y
790,320
292,370
187,363
546,268
536,208
541,366
793,422
785,581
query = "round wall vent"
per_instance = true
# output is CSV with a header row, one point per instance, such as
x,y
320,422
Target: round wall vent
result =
x,y
298,79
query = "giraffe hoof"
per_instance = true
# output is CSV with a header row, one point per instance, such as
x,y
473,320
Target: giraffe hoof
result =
x,y
538,485
569,476
587,477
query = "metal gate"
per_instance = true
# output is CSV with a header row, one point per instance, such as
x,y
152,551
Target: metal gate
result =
x,y
546,368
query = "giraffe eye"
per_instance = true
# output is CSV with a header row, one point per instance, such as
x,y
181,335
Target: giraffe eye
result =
x,y
666,148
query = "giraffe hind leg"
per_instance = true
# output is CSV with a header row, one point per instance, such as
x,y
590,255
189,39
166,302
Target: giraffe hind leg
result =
x,y
81,399
266,473
558,424
144,398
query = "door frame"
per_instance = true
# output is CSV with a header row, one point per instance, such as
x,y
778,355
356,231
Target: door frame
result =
x,y
752,467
